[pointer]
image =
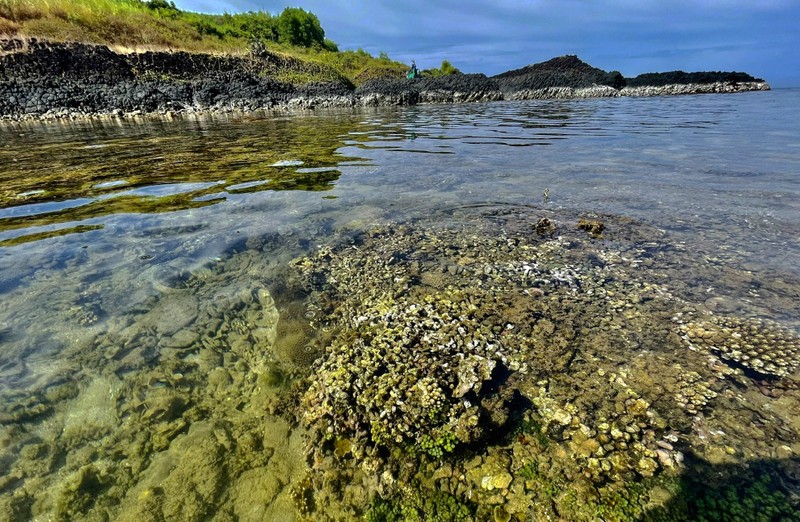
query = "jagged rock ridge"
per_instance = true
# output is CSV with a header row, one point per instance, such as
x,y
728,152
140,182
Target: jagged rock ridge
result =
x,y
69,80
562,71
570,77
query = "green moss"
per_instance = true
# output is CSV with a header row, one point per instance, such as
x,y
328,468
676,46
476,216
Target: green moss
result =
x,y
619,504
378,433
529,471
622,502
531,426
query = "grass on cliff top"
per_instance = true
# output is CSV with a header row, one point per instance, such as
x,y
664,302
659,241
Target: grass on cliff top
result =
x,y
135,25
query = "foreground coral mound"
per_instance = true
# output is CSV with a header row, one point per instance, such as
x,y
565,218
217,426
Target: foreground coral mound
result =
x,y
495,368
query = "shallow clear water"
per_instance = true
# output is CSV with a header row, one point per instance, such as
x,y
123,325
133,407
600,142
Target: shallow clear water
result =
x,y
102,223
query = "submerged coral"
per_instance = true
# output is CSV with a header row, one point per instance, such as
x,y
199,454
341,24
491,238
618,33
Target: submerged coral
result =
x,y
493,361
489,365
759,345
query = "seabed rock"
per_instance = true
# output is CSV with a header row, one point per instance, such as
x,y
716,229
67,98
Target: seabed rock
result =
x,y
162,420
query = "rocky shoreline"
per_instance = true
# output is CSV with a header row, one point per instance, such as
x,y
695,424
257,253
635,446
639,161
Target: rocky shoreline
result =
x,y
64,81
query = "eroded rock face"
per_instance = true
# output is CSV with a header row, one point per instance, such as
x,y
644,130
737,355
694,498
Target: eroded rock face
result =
x,y
694,88
39,77
456,88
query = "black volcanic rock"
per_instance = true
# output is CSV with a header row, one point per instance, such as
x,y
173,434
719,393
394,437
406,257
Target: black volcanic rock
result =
x,y
389,91
69,61
452,88
459,82
684,78
563,71
46,79
38,77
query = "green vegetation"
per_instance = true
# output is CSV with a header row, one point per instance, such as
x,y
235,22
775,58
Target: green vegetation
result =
x,y
136,25
547,488
159,24
445,69
530,426
358,66
444,442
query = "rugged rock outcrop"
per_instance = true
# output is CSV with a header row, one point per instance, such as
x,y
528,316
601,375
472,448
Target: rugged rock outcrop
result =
x,y
459,88
694,88
38,78
67,80
562,92
563,71
695,78
569,77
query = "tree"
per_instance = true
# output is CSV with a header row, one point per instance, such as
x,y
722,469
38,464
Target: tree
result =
x,y
295,26
161,4
163,8
256,25
331,45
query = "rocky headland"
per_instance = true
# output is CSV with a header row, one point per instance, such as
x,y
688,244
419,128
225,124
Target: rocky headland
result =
x,y
45,80
569,77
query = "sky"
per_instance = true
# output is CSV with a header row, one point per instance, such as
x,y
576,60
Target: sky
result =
x,y
760,37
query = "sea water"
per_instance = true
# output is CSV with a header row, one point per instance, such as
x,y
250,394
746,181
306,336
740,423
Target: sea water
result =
x,y
143,267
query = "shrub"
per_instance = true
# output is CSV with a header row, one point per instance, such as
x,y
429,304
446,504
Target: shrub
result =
x,y
445,69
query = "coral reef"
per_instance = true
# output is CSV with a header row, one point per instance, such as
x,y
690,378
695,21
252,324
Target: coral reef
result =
x,y
533,375
492,365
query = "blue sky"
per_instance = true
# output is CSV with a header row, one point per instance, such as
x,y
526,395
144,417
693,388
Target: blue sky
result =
x,y
761,37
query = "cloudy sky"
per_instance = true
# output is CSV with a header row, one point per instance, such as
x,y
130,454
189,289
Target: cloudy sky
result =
x,y
761,37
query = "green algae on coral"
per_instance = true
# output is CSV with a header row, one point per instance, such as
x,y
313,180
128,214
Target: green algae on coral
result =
x,y
420,505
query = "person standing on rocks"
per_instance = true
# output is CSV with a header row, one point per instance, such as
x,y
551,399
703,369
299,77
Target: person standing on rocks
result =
x,y
413,72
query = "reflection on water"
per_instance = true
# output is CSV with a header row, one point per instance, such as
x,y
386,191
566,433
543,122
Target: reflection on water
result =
x,y
52,174
157,329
